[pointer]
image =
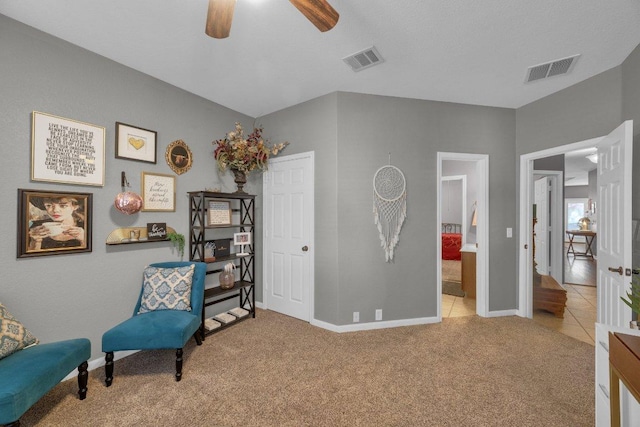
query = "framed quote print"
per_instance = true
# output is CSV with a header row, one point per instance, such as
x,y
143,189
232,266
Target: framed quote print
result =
x,y
158,192
66,151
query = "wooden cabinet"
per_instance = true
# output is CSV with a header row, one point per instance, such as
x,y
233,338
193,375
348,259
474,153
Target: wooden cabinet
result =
x,y
216,216
468,258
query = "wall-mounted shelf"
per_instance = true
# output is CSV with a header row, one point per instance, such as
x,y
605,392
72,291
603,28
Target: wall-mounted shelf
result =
x,y
122,236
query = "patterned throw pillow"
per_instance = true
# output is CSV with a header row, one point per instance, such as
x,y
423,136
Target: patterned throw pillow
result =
x,y
13,335
166,289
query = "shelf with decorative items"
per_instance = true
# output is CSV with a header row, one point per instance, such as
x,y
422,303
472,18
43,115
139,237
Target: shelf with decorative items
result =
x,y
129,235
214,220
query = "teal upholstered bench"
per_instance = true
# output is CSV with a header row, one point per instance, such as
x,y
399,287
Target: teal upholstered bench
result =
x,y
28,374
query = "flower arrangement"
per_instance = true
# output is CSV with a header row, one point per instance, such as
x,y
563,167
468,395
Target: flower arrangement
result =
x,y
236,152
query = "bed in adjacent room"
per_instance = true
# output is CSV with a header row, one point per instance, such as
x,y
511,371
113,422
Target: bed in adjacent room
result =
x,y
451,241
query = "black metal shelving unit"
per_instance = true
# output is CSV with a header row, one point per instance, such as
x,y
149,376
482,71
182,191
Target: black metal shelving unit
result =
x,y
242,216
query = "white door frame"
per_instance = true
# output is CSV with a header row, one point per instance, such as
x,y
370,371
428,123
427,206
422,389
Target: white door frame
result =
x,y
311,219
525,238
482,229
557,225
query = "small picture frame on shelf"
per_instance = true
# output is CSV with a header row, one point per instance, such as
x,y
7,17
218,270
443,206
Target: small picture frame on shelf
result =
x,y
242,239
219,212
157,230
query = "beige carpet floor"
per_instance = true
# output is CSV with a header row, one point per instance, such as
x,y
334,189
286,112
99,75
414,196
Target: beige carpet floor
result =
x,y
278,371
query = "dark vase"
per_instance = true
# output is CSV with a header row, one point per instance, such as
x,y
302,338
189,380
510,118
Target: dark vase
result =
x,y
240,178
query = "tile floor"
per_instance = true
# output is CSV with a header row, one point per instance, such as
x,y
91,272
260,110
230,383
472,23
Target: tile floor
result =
x,y
579,315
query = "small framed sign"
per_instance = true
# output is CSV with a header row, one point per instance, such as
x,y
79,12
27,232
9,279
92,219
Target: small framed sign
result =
x,y
219,212
158,192
156,230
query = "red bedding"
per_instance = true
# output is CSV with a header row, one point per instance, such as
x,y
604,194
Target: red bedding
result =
x,y
451,244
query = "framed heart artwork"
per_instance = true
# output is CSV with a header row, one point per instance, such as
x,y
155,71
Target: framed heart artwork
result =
x,y
134,143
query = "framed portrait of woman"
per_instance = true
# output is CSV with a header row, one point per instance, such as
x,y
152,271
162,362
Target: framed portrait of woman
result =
x,y
53,222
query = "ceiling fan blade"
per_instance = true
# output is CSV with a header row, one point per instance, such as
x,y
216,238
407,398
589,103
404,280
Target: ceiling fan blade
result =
x,y
319,12
219,18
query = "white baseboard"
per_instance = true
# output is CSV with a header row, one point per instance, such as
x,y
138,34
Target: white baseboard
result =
x,y
373,325
502,313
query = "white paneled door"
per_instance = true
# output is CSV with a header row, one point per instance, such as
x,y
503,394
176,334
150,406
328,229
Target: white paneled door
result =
x,y
614,225
288,246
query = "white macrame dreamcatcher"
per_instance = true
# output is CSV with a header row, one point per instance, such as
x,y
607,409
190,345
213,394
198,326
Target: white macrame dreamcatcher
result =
x,y
389,206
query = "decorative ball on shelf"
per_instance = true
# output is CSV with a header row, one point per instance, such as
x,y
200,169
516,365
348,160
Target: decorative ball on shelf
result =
x,y
128,202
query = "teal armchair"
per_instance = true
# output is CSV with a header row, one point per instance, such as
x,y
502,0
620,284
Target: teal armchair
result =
x,y
160,328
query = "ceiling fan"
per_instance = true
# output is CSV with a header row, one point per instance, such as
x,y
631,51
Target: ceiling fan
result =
x,y
220,14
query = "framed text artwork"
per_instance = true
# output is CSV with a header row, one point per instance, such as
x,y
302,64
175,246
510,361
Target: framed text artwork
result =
x,y
219,212
66,151
53,222
134,143
158,192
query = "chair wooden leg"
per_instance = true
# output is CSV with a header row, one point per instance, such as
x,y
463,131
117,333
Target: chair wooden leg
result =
x,y
198,337
83,377
178,364
108,368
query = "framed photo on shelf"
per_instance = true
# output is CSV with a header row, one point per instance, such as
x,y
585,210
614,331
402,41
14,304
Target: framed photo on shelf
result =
x,y
219,212
179,157
66,151
53,222
242,239
158,192
134,143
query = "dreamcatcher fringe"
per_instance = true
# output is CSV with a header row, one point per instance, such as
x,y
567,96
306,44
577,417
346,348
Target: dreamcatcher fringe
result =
x,y
389,225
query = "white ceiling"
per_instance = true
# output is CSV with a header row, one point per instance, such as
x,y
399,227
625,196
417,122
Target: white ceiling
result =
x,y
474,52
577,167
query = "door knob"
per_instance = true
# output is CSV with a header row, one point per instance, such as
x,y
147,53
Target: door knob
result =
x,y
305,248
616,270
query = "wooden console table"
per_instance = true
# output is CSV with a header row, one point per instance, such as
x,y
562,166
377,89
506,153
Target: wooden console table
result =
x,y
588,237
624,365
468,258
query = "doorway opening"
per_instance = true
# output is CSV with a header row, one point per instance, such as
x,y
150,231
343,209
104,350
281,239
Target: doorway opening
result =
x,y
543,216
463,258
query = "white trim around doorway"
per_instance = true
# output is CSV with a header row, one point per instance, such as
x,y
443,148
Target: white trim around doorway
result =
x,y
525,217
482,234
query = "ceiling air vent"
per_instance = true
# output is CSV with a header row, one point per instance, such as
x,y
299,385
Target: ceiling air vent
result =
x,y
550,69
364,59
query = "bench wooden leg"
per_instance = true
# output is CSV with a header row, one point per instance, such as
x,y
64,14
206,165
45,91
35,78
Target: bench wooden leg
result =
x,y
178,364
108,368
83,377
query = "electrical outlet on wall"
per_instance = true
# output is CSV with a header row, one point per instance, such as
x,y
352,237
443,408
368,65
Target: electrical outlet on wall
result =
x,y
356,316
379,314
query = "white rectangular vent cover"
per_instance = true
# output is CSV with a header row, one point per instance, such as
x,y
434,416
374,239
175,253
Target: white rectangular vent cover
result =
x,y
364,59
550,69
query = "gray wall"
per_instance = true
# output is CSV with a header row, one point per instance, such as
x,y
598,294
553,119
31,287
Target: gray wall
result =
x,y
452,201
351,273
83,295
587,110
